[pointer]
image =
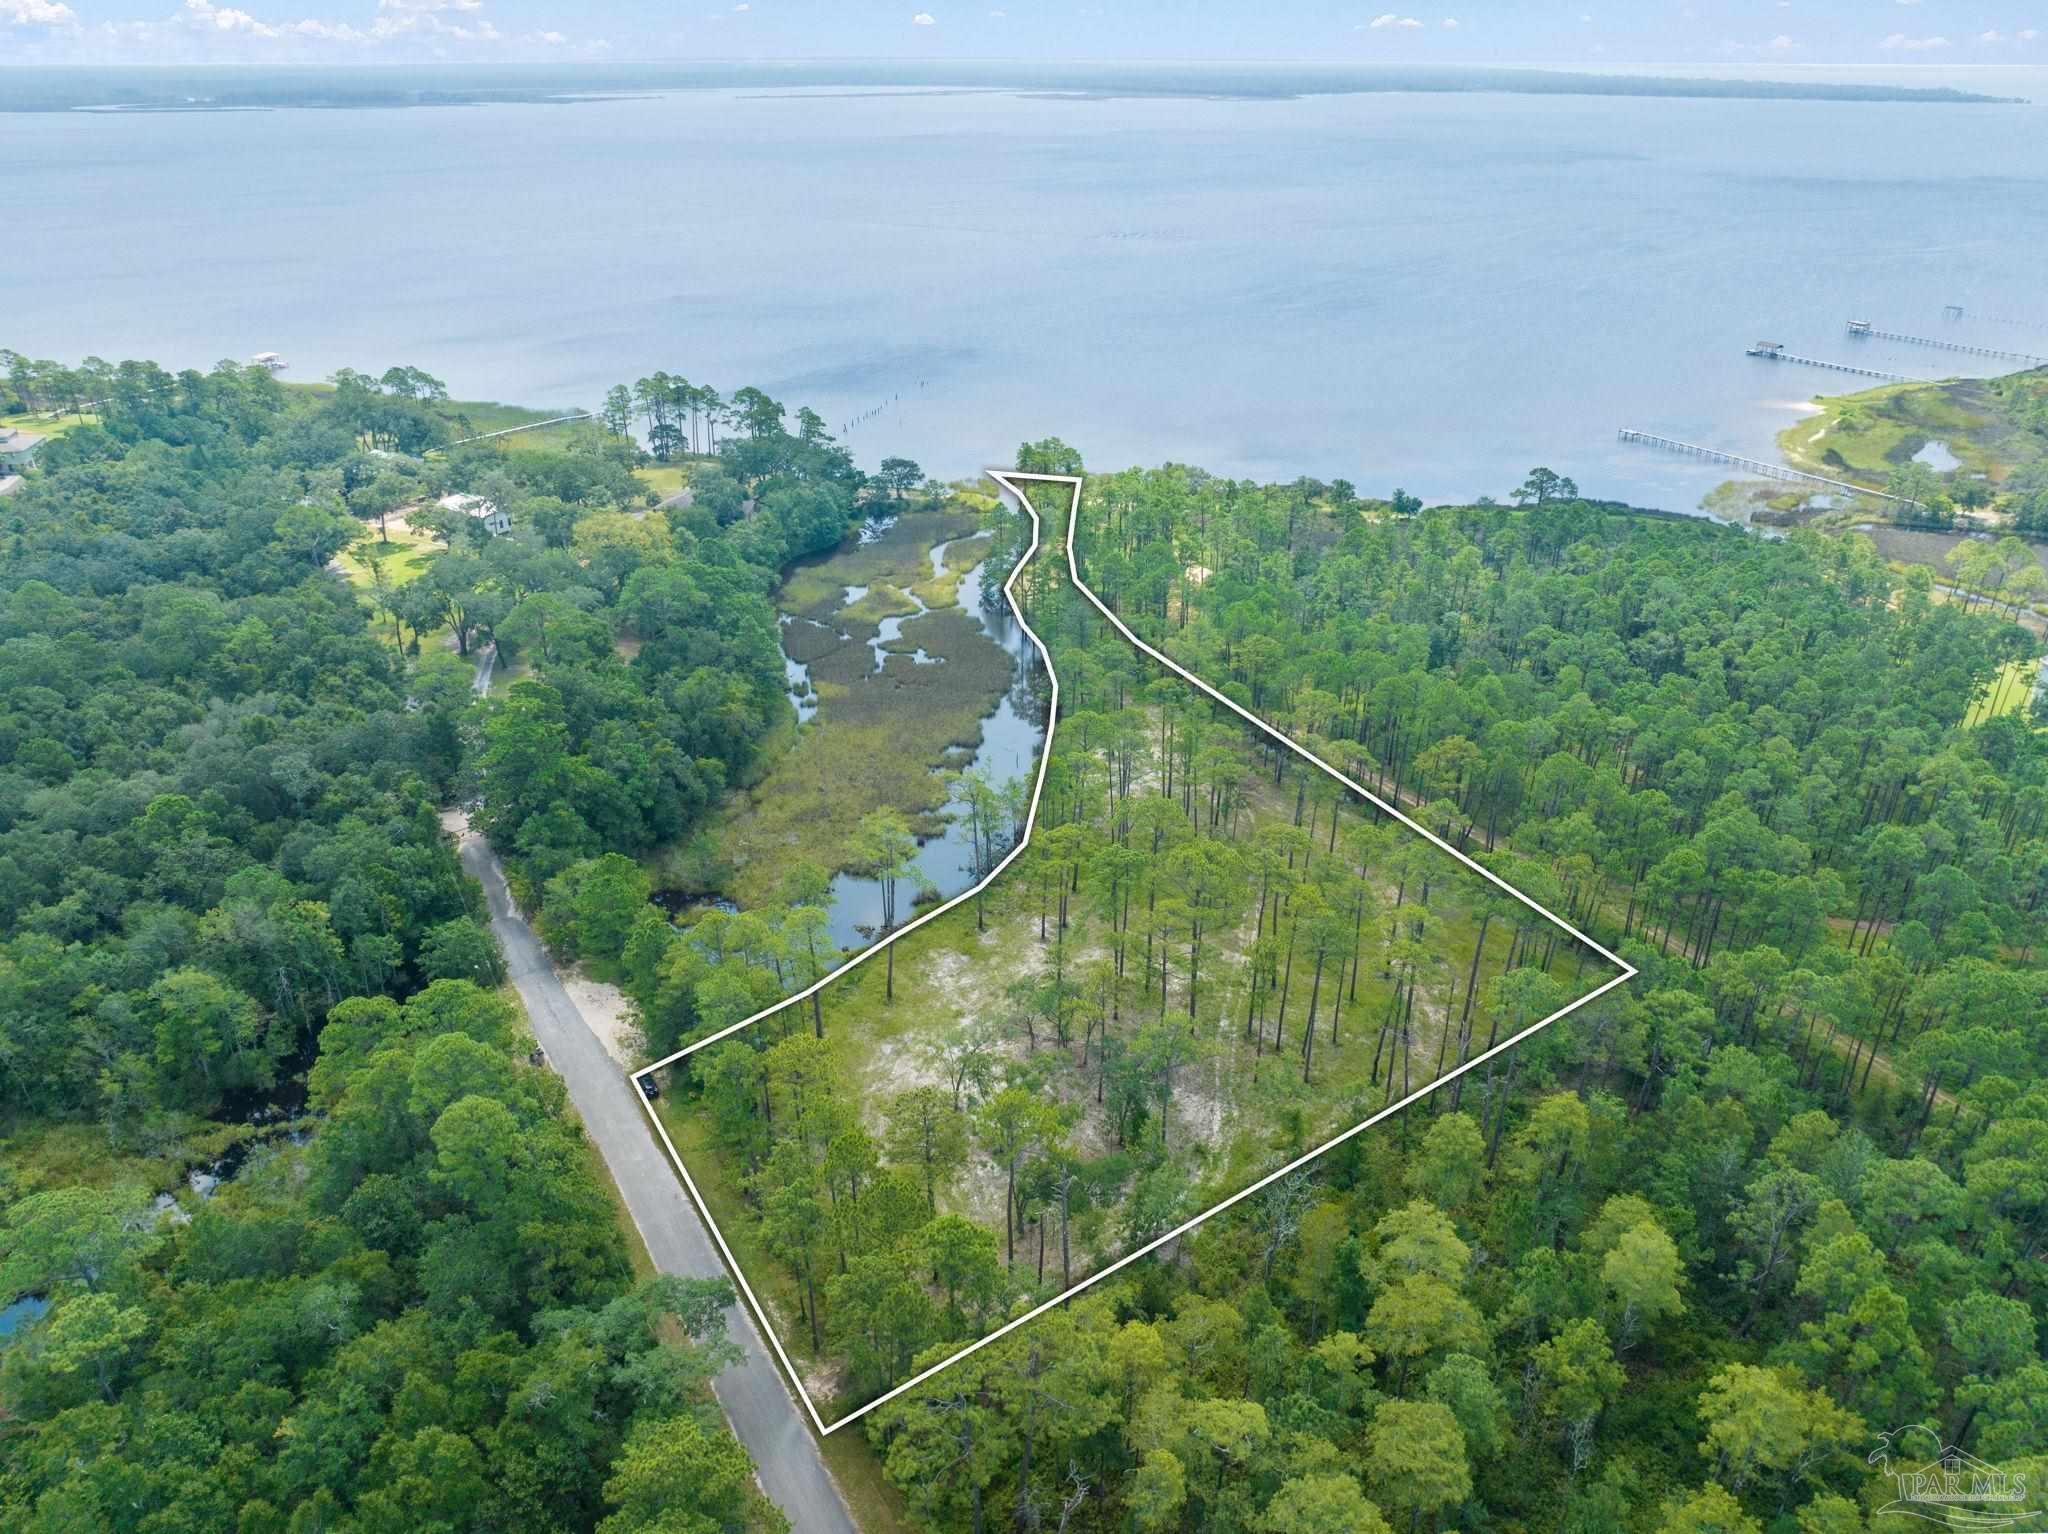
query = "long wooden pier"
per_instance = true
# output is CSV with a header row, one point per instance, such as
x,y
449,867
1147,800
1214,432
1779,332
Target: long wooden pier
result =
x,y
509,431
1770,351
1864,328
1757,465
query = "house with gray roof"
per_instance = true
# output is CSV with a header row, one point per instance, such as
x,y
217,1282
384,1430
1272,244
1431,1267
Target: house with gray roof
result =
x,y
17,449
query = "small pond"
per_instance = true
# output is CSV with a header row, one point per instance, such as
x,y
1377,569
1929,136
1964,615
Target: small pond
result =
x,y
1937,457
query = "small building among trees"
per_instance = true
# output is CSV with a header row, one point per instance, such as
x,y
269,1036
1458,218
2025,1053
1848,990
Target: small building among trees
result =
x,y
17,449
487,512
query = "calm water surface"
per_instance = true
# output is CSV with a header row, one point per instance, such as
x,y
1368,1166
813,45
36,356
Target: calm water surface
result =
x,y
1429,291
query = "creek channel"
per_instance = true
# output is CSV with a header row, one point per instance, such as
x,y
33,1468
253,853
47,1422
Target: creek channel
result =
x,y
1012,733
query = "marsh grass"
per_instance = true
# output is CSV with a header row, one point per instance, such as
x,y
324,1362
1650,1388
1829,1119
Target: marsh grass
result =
x,y
1866,435
882,736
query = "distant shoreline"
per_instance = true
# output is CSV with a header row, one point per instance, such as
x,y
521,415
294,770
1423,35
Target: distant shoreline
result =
x,y
234,88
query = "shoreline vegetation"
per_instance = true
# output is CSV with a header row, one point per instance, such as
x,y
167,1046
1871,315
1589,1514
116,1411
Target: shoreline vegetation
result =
x,y
1789,1175
189,88
1972,451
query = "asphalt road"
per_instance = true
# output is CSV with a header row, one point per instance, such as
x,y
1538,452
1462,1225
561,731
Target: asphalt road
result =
x,y
762,1411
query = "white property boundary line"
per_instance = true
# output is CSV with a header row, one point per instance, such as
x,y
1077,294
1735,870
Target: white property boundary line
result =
x,y
1010,481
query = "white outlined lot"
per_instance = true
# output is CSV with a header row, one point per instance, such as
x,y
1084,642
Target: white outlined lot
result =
x,y
1012,482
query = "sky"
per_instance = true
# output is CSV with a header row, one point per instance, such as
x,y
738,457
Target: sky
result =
x,y
1835,34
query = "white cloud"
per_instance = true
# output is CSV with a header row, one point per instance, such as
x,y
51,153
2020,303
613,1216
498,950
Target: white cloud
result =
x,y
1450,23
1899,42
2025,34
1909,2
1993,36
223,31
924,19
36,13
1783,44
225,18
743,6
1379,23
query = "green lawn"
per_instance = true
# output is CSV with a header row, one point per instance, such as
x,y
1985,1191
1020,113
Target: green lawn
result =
x,y
47,425
471,417
402,557
2008,695
664,479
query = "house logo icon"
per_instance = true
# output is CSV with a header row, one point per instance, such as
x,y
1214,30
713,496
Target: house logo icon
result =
x,y
1937,1481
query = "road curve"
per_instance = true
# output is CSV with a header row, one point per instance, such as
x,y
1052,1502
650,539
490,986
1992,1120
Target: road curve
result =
x,y
763,1414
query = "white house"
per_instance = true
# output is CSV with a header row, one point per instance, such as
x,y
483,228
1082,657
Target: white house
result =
x,y
17,449
486,512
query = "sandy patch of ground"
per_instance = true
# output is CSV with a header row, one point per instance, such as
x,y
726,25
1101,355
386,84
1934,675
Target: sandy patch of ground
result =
x,y
610,1015
823,1379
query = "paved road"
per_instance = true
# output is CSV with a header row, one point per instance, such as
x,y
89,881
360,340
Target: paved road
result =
x,y
762,1412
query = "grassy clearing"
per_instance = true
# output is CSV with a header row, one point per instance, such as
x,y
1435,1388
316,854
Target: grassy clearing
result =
x,y
664,479
2008,694
404,555
47,425
880,735
471,418
466,417
401,557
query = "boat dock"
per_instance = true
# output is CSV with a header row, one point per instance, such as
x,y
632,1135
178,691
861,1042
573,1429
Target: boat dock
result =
x,y
509,431
1772,351
1864,329
1758,466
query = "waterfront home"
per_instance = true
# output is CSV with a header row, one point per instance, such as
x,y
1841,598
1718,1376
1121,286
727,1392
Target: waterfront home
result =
x,y
477,508
17,449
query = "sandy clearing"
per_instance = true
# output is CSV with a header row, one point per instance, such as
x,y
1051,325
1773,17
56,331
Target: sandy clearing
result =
x,y
609,1012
